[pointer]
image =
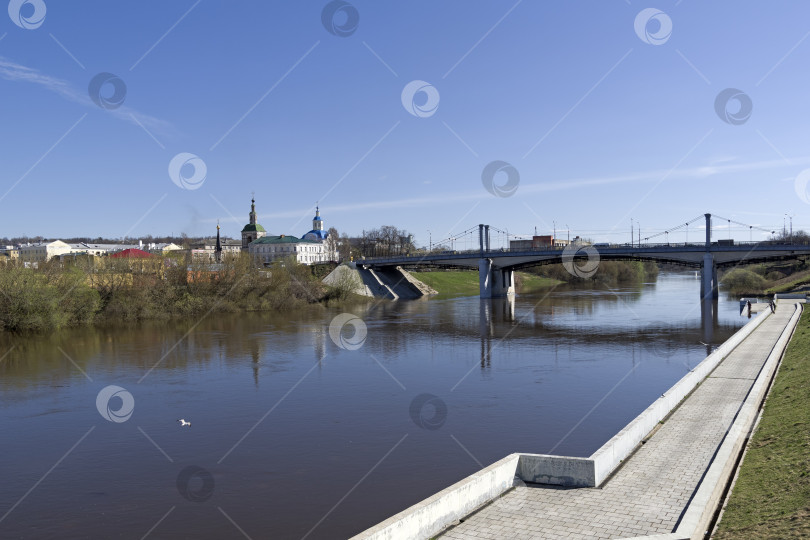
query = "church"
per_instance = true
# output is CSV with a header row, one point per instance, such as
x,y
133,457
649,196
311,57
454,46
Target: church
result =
x,y
311,248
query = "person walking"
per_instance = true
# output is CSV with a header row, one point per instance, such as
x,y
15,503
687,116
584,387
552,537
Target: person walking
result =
x,y
748,305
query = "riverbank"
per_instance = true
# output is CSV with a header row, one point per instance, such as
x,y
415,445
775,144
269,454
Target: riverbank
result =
x,y
669,485
767,279
91,291
771,496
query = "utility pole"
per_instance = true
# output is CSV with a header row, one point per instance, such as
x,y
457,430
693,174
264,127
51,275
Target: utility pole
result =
x,y
631,231
569,233
554,237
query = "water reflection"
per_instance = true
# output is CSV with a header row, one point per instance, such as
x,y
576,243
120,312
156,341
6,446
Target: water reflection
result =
x,y
271,343
319,417
709,314
493,312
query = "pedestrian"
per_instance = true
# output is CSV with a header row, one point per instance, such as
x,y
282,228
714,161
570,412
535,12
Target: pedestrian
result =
x,y
748,305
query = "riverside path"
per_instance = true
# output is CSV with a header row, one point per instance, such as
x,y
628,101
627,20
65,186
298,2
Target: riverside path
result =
x,y
651,492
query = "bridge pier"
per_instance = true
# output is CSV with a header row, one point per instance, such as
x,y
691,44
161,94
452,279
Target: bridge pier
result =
x,y
708,278
495,282
708,274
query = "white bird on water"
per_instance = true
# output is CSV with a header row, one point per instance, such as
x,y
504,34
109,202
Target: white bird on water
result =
x,y
183,422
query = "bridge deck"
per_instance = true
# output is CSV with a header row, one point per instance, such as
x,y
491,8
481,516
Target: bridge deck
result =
x,y
650,492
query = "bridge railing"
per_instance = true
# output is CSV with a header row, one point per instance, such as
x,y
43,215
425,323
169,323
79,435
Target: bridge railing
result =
x,y
436,254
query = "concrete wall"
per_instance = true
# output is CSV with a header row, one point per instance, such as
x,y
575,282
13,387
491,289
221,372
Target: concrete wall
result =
x,y
429,517
611,454
398,283
392,283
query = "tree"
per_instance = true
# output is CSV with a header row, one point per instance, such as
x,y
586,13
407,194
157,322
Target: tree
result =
x,y
331,242
797,237
387,240
345,247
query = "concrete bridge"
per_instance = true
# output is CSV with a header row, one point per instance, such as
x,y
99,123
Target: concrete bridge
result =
x,y
496,267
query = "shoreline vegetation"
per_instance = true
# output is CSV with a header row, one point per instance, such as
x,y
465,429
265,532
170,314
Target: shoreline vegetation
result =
x,y
771,497
465,282
768,278
86,290
103,290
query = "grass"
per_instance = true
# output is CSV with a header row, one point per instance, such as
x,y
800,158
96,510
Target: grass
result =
x,y
790,283
771,498
451,282
529,283
465,282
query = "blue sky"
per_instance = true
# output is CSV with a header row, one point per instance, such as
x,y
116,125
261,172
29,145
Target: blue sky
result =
x,y
601,125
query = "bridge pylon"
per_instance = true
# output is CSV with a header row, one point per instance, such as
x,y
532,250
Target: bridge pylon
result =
x,y
708,272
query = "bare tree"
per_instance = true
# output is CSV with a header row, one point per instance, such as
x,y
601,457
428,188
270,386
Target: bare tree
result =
x,y
345,247
331,242
387,240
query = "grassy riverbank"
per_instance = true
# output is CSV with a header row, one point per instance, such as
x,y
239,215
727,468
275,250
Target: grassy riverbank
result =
x,y
771,498
767,279
465,282
88,291
610,273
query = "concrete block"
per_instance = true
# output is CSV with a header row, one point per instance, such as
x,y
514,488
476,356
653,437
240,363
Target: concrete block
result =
x,y
556,470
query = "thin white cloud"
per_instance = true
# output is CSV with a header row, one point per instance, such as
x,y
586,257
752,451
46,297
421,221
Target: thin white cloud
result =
x,y
542,187
12,71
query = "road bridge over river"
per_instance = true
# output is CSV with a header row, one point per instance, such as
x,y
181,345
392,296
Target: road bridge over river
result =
x,y
496,266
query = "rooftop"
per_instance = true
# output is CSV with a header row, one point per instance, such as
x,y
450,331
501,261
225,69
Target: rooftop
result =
x,y
283,239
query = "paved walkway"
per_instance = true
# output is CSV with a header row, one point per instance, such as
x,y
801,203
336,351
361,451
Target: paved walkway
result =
x,y
650,492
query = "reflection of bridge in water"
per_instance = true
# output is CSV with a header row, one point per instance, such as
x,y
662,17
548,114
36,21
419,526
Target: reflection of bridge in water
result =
x,y
497,321
496,267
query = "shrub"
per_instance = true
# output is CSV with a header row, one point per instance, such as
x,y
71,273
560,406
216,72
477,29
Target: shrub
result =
x,y
743,281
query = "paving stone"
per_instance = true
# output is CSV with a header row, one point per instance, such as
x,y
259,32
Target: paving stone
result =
x,y
649,493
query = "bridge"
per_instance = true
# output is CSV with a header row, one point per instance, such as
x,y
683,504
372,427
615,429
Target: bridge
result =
x,y
496,267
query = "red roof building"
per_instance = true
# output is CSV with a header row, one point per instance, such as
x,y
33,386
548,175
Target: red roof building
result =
x,y
131,253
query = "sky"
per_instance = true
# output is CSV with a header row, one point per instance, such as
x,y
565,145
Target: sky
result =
x,y
142,117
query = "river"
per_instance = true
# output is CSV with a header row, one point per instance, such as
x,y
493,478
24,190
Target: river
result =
x,y
294,436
